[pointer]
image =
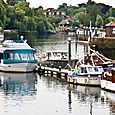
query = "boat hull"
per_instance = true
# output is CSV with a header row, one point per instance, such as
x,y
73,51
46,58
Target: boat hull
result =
x,y
18,67
85,80
108,85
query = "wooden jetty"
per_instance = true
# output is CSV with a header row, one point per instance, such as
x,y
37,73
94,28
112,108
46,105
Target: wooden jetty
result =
x,y
58,73
63,74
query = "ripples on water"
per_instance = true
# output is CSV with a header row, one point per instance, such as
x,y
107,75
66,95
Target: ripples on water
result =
x,y
34,94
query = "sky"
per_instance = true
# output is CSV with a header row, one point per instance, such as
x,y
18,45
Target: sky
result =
x,y
56,3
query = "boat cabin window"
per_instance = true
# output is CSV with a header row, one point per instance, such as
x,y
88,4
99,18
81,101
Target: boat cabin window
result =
x,y
16,56
49,55
1,56
90,69
96,69
24,56
7,56
27,56
11,56
31,55
63,55
83,70
19,56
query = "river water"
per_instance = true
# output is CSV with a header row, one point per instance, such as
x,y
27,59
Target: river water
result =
x,y
34,94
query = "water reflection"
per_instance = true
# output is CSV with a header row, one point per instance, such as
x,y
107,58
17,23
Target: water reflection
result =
x,y
68,99
84,95
45,95
20,84
108,98
83,92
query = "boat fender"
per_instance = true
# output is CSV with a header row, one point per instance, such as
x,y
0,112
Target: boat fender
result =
x,y
88,76
87,80
104,74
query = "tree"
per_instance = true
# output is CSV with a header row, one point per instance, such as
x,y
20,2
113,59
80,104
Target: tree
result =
x,y
110,19
50,26
31,25
13,2
63,7
21,27
93,10
99,21
41,27
54,20
81,16
2,15
39,12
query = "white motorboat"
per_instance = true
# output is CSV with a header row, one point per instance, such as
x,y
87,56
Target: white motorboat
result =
x,y
17,56
86,75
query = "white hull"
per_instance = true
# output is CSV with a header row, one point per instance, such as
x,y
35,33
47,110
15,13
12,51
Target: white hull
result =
x,y
107,85
93,81
18,67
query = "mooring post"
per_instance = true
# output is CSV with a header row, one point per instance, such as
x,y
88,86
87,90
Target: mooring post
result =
x,y
52,65
43,71
69,51
65,76
59,72
59,68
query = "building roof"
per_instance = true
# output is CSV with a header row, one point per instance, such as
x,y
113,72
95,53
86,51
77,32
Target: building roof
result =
x,y
63,22
111,24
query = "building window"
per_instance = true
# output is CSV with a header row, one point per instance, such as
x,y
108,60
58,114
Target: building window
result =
x,y
113,31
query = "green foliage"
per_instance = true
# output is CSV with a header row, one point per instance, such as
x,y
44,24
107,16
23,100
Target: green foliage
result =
x,y
13,2
82,9
55,20
41,27
99,21
31,24
92,11
69,10
81,16
2,15
110,19
50,26
75,24
17,14
21,27
113,12
39,12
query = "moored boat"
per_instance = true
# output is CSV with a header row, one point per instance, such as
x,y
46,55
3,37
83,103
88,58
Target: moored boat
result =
x,y
108,80
86,75
101,60
57,58
17,56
